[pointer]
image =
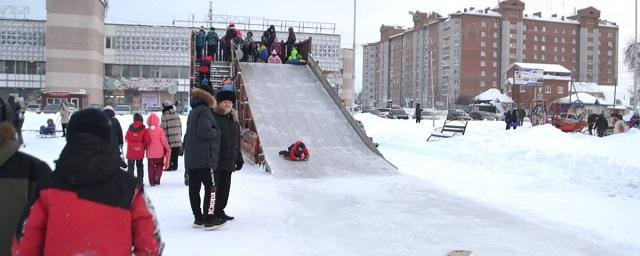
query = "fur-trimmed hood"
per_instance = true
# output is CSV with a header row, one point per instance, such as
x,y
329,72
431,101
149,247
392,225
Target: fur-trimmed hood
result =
x,y
200,96
234,113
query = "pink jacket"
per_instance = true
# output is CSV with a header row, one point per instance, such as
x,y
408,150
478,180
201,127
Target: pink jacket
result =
x,y
158,144
274,59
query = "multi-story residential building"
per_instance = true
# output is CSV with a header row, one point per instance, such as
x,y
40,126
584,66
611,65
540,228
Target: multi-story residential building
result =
x,y
443,61
83,60
368,75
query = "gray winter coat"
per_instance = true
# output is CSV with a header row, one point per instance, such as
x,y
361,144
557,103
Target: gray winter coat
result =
x,y
202,139
170,123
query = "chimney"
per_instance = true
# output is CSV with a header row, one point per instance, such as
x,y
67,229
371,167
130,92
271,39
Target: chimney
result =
x,y
537,14
562,17
471,8
554,15
486,10
465,9
526,15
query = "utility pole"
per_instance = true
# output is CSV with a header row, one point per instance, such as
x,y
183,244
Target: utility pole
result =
x,y
210,16
635,58
353,73
433,90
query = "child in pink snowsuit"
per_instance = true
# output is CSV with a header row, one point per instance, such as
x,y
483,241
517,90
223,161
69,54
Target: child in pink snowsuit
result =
x,y
157,151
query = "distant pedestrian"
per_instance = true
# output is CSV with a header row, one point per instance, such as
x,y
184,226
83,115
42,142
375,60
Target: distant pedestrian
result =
x,y
418,113
601,124
88,206
212,42
157,151
507,119
591,122
514,119
201,40
18,174
521,114
137,140
64,117
117,140
172,126
291,41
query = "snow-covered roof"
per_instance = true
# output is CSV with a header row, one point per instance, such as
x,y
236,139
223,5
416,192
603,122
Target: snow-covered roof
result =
x,y
552,77
586,98
548,68
493,94
621,94
552,19
586,87
479,12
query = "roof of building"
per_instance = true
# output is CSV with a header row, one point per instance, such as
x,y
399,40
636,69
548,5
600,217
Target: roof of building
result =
x,y
547,68
495,95
586,98
588,87
479,12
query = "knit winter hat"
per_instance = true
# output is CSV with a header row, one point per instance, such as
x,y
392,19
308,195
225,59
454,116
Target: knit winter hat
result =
x,y
137,117
226,95
91,121
166,103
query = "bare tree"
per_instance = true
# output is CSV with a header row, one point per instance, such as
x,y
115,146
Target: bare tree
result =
x,y
632,59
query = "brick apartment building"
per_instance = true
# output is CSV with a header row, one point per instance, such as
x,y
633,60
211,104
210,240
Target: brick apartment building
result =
x,y
447,60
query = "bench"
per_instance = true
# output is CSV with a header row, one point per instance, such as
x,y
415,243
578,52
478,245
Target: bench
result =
x,y
452,127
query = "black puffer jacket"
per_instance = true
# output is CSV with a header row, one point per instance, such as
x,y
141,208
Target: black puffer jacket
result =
x,y
230,154
18,174
202,138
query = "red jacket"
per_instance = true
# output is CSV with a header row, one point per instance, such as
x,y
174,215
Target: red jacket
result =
x,y
137,139
88,206
294,148
158,146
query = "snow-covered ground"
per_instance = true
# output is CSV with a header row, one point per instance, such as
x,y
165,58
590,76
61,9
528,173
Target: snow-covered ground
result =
x,y
533,191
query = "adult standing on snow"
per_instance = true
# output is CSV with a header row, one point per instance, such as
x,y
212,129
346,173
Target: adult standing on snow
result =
x,y
116,133
591,122
507,119
201,149
201,40
88,204
18,173
64,117
601,124
230,157
172,126
418,113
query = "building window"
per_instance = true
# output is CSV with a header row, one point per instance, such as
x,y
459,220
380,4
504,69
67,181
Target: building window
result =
x,y
483,53
535,28
547,89
563,41
512,45
495,64
483,34
483,43
495,34
524,46
544,29
522,88
544,38
555,58
108,43
610,53
524,37
560,90
573,41
483,24
524,56
535,47
543,48
544,57
495,44
573,50
512,56
535,38
555,48
589,61
483,63
535,56
562,49
573,32
482,83
555,39
495,24
483,73
524,27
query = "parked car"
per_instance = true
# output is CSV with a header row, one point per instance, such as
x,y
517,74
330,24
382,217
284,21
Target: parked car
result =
x,y
34,108
51,108
397,114
374,112
154,109
458,114
122,110
384,112
428,115
482,115
96,106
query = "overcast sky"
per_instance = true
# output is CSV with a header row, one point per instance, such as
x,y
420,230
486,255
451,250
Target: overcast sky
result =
x,y
370,15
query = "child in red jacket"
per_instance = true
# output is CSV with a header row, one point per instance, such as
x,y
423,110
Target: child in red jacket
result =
x,y
137,140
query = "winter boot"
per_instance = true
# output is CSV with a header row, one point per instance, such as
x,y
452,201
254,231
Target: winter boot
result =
x,y
226,217
198,223
214,223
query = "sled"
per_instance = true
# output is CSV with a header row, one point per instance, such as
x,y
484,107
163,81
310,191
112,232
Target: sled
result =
x,y
451,127
294,159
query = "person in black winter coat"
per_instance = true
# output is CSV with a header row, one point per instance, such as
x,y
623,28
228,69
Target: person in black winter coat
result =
x,y
268,36
601,125
116,134
201,153
507,119
591,122
230,157
18,174
418,113
291,41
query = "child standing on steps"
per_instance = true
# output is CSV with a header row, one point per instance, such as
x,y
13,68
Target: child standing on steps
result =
x,y
137,140
157,150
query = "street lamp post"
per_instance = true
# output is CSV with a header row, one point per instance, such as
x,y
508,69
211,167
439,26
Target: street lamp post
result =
x,y
353,73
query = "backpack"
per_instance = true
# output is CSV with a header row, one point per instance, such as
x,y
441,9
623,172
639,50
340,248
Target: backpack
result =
x,y
212,38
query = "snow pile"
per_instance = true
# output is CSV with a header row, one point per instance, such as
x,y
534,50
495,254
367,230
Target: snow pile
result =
x,y
585,181
493,94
